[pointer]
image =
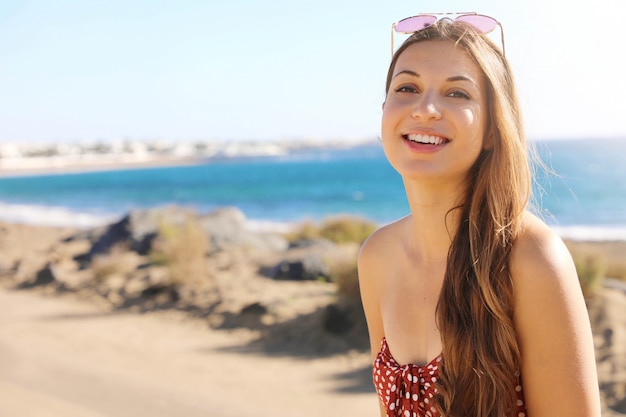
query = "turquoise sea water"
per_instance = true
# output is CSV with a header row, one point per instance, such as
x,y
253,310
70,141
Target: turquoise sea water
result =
x,y
588,196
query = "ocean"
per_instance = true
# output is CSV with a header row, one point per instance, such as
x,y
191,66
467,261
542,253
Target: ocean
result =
x,y
584,197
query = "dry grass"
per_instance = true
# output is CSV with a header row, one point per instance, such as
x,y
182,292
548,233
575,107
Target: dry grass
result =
x,y
597,260
591,269
182,248
118,261
617,270
342,229
346,277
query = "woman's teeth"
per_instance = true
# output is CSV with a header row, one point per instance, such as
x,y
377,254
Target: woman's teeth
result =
x,y
429,139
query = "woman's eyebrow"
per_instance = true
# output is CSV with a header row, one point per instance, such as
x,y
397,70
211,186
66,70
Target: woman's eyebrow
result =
x,y
407,72
462,78
449,79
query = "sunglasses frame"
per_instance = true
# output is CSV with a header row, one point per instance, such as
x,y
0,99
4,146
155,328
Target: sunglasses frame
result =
x,y
441,16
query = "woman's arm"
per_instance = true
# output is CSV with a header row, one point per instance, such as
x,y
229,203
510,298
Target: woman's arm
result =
x,y
558,362
369,285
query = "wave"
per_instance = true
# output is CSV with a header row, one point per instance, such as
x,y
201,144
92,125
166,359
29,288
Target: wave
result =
x,y
53,216
592,233
64,217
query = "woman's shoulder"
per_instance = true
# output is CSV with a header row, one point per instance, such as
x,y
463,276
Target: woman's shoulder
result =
x,y
380,246
539,258
384,238
552,325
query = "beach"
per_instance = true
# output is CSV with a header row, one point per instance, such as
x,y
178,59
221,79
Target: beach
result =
x,y
62,358
72,353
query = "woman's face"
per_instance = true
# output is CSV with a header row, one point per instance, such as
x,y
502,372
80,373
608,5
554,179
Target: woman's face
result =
x,y
433,122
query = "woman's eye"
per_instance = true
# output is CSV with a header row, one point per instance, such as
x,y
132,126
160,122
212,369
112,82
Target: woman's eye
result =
x,y
406,89
459,94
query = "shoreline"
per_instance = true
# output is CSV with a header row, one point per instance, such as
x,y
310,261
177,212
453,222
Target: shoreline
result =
x,y
56,216
24,167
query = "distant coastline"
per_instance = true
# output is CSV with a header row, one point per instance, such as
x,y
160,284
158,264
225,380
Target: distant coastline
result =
x,y
50,158
67,165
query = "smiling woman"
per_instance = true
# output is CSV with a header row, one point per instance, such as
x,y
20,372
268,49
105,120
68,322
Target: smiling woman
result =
x,y
469,277
433,100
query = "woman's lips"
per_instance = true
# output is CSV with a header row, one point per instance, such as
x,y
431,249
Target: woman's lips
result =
x,y
426,139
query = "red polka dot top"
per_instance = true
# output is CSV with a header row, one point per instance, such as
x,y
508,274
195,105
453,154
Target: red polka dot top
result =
x,y
409,390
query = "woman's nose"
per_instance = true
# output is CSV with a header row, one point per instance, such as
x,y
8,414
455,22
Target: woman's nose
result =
x,y
426,107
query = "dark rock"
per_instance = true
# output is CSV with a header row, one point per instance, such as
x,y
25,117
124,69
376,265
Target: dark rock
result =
x,y
169,291
323,244
310,267
137,230
337,320
124,232
256,309
44,276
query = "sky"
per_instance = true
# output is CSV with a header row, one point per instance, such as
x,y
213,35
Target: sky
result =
x,y
231,70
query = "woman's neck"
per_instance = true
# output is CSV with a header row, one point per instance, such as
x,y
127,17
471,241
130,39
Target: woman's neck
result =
x,y
434,220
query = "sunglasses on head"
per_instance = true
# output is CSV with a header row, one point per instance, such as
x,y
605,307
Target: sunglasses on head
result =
x,y
480,23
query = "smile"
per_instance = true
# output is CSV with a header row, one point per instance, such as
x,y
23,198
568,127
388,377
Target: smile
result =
x,y
426,139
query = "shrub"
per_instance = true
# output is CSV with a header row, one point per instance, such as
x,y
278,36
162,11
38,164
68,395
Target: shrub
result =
x,y
346,229
346,317
182,248
345,275
343,229
305,230
617,270
591,268
118,261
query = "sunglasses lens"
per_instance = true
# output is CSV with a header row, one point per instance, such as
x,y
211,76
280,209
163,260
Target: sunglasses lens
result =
x,y
414,24
482,24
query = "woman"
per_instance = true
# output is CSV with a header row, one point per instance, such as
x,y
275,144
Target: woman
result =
x,y
474,302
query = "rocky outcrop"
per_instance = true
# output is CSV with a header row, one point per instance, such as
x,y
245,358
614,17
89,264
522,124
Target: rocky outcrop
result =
x,y
224,228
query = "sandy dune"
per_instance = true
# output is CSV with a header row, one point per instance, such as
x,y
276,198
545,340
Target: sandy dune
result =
x,y
60,357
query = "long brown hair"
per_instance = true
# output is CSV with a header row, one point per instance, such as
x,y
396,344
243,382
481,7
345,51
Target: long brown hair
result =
x,y
481,355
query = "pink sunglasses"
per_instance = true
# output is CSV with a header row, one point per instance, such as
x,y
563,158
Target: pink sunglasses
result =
x,y
482,24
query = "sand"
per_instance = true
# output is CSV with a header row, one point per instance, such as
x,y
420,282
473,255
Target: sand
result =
x,y
61,357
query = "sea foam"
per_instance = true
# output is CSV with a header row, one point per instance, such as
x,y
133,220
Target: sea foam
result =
x,y
592,233
52,216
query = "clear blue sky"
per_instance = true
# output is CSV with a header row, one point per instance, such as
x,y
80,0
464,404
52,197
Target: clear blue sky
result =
x,y
74,70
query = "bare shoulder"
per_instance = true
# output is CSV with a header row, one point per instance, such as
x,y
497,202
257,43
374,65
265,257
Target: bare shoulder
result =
x,y
544,276
540,259
552,326
382,242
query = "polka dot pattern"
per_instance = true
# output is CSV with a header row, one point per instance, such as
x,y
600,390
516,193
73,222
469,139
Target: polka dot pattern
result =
x,y
409,390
